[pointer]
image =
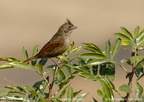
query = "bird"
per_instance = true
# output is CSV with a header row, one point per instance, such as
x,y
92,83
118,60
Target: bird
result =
x,y
58,44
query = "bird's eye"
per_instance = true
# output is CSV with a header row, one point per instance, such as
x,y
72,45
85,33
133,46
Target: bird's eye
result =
x,y
69,27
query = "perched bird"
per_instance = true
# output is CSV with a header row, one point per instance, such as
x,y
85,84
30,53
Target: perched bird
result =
x,y
58,44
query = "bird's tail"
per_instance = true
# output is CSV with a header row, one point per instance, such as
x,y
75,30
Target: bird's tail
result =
x,y
30,59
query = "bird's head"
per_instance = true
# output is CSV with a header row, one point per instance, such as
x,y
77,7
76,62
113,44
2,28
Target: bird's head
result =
x,y
67,27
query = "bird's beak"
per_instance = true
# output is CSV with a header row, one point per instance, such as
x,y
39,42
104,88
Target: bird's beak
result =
x,y
75,27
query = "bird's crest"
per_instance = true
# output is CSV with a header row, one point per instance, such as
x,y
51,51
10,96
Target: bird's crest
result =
x,y
68,21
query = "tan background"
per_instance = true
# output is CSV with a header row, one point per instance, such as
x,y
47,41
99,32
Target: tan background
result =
x,y
30,22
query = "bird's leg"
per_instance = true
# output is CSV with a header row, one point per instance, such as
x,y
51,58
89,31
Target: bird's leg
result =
x,y
55,62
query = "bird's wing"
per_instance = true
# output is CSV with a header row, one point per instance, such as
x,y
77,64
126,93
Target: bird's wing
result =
x,y
50,46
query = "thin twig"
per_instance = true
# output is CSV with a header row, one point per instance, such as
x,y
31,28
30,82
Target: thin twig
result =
x,y
53,80
50,89
130,75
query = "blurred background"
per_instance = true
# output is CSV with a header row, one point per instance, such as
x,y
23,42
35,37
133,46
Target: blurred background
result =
x,y
30,22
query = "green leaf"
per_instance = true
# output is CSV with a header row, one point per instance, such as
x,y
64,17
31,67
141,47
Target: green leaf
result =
x,y
100,93
83,63
75,66
142,99
31,92
107,48
139,91
102,70
97,62
92,56
81,97
60,77
63,92
127,44
136,31
107,91
138,71
27,88
35,50
40,86
40,69
127,33
107,69
122,36
110,69
9,59
93,48
95,69
4,92
116,48
69,94
43,61
141,34
109,81
125,88
22,65
6,66
12,98
15,89
137,59
95,100
76,93
110,77
25,53
141,41
71,49
55,100
67,71
88,75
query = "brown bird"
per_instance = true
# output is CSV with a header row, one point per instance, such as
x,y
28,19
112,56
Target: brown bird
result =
x,y
58,44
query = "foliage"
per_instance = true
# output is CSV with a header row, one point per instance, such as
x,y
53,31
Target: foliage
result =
x,y
95,64
62,75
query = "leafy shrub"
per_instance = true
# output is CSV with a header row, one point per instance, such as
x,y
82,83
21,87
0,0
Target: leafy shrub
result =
x,y
95,65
